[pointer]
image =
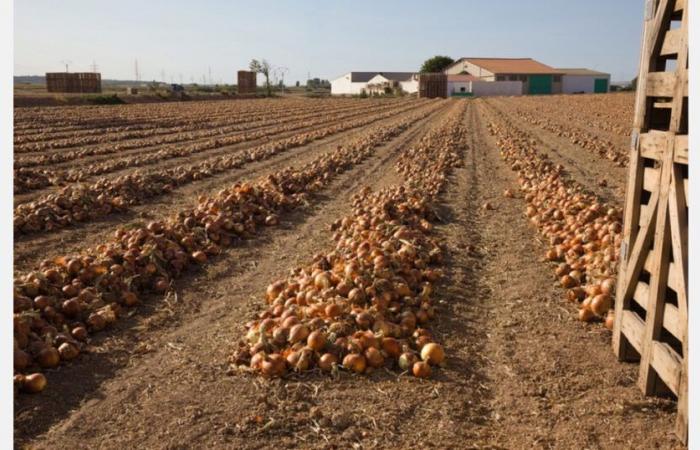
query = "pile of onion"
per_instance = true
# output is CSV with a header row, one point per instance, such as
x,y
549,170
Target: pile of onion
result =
x,y
365,304
584,234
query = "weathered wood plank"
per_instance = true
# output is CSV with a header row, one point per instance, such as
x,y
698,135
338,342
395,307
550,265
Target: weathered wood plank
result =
x,y
651,179
667,365
681,156
659,265
633,329
660,84
672,42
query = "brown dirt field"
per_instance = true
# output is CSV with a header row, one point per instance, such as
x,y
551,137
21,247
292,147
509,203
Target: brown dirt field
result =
x,y
521,371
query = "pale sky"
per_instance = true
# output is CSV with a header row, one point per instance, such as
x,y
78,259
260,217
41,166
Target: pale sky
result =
x,y
184,39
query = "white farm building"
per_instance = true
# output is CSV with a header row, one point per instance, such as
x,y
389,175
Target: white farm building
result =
x,y
584,81
354,83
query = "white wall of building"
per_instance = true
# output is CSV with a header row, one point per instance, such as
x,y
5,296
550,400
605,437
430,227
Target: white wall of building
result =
x,y
580,83
409,87
456,86
343,86
484,88
471,69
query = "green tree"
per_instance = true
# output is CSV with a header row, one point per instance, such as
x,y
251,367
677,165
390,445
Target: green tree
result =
x,y
436,64
264,68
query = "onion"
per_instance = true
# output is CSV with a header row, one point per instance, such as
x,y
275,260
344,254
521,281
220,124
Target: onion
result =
x,y
374,357
391,347
316,340
48,357
601,304
354,362
68,351
406,360
21,359
610,320
298,333
433,354
327,361
33,383
421,369
585,315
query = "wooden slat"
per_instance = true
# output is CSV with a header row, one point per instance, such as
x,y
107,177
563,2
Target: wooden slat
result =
x,y
681,156
651,179
672,321
667,365
659,265
660,84
652,144
633,329
672,41
641,294
679,6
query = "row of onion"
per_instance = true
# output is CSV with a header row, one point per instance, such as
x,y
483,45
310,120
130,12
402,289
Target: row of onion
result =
x,y
578,136
88,202
164,130
365,304
583,233
69,297
27,179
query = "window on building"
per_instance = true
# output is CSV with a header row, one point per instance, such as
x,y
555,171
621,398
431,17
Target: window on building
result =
x,y
557,78
512,77
462,89
500,78
522,78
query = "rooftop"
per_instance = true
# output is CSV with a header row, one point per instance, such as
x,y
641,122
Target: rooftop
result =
x,y
510,65
581,71
363,77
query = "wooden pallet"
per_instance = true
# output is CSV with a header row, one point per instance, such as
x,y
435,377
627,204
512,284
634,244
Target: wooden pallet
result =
x,y
651,307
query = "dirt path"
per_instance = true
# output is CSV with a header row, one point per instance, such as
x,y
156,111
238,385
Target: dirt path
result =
x,y
521,373
554,381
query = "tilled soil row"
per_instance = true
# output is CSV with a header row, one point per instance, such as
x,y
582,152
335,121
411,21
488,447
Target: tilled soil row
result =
x,y
599,175
29,248
30,179
85,120
245,126
579,135
215,124
83,203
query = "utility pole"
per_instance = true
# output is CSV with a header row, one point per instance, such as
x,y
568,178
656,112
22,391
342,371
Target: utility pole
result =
x,y
210,75
94,66
136,70
66,63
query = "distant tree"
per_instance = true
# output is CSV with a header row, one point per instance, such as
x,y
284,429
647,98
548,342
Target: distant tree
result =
x,y
436,64
264,68
297,84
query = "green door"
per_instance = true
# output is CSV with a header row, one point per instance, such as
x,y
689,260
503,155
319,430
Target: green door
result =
x,y
600,86
540,84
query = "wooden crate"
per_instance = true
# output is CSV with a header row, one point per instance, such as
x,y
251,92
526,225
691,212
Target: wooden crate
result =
x,y
247,82
77,82
432,85
651,306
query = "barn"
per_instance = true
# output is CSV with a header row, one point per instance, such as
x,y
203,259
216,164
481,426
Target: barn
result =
x,y
584,81
536,77
354,83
